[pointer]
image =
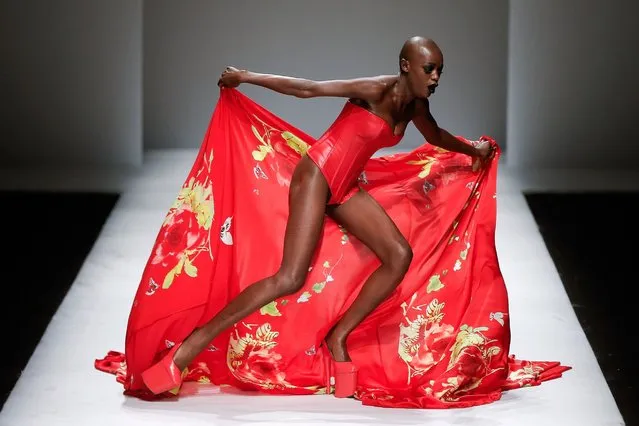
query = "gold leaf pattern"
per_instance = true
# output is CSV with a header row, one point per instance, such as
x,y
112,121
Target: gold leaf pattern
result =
x,y
426,163
434,284
296,143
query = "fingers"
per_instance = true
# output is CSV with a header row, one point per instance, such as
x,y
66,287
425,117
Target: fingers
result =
x,y
220,82
227,70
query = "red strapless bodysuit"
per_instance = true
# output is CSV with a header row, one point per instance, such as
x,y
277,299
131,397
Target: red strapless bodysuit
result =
x,y
343,150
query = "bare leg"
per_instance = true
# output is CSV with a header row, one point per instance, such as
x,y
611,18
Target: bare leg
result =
x,y
363,217
307,206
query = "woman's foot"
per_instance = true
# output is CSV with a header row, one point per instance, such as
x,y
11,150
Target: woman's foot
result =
x,y
337,347
182,356
164,376
344,371
195,343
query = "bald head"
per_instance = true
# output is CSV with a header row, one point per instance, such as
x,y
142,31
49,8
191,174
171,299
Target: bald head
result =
x,y
418,47
421,63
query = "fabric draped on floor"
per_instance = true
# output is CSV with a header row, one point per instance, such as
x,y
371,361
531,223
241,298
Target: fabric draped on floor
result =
x,y
441,340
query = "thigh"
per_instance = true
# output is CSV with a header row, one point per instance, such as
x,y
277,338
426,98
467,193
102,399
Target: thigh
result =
x,y
307,208
367,221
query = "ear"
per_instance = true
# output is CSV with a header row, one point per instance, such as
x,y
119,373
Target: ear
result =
x,y
404,65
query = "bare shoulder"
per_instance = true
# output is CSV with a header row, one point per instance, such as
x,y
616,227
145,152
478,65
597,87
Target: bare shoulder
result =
x,y
421,116
368,89
422,107
374,88
385,80
382,84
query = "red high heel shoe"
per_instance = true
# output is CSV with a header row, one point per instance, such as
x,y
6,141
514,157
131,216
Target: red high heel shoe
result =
x,y
345,374
164,376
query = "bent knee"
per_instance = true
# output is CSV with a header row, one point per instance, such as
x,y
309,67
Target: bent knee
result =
x,y
289,282
400,257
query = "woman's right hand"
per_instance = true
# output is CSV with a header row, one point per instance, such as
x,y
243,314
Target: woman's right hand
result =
x,y
231,77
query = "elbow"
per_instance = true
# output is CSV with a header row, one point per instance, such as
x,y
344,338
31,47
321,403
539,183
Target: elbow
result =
x,y
439,136
303,94
308,89
433,137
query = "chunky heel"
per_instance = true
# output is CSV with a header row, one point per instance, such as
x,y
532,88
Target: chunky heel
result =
x,y
345,379
164,376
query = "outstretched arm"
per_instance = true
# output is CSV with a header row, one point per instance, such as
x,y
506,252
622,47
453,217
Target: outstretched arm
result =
x,y
361,88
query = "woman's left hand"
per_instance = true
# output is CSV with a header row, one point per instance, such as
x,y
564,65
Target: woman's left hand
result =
x,y
485,151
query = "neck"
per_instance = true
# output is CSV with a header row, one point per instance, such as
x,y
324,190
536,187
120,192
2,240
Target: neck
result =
x,y
402,94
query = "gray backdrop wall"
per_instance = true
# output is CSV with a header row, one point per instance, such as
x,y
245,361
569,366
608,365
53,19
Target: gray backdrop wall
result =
x,y
70,83
572,86
96,83
187,45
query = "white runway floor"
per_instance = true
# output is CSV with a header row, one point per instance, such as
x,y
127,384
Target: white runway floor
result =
x,y
60,387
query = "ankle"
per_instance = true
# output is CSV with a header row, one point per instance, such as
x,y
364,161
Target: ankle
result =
x,y
337,349
181,357
335,337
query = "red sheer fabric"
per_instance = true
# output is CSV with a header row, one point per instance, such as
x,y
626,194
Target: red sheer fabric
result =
x,y
441,340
